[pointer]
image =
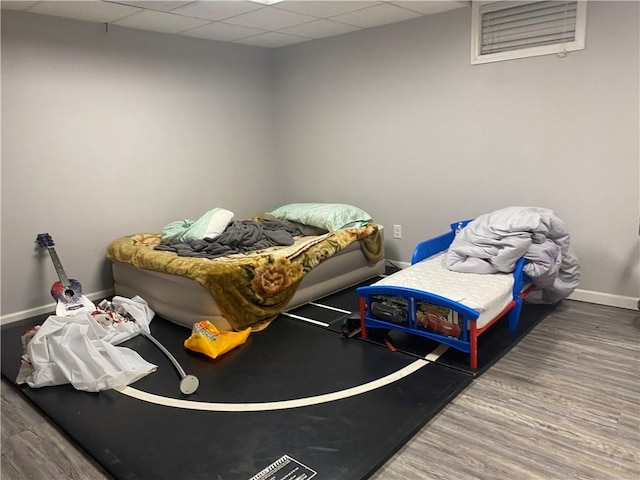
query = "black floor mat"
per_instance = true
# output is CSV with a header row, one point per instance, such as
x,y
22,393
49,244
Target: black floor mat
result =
x,y
355,425
332,311
296,395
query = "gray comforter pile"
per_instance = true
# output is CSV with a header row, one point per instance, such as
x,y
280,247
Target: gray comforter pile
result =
x,y
239,237
495,241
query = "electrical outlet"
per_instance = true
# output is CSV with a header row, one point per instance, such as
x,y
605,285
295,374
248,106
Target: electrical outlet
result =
x,y
397,231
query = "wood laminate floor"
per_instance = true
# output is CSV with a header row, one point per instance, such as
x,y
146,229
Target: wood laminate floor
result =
x,y
563,404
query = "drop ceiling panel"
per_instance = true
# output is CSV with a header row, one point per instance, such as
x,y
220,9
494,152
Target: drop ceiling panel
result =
x,y
102,12
431,7
160,21
222,31
320,28
16,5
218,10
377,15
272,40
257,22
269,19
163,6
323,9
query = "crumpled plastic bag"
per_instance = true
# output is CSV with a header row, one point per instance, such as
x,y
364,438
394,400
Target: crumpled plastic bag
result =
x,y
207,339
81,350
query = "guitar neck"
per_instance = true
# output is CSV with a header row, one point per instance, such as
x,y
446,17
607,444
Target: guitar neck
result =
x,y
58,266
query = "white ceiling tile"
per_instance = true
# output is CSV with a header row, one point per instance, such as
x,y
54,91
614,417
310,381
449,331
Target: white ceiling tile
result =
x,y
217,10
267,2
430,7
16,5
324,8
160,22
160,5
320,29
269,18
272,40
222,31
378,15
90,11
269,23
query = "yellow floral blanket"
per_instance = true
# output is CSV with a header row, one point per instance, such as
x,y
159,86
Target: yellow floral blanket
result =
x,y
251,289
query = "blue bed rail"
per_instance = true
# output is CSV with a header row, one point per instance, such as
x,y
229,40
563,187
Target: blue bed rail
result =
x,y
436,244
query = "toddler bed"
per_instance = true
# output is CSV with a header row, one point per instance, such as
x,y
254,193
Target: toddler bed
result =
x,y
461,283
251,289
430,300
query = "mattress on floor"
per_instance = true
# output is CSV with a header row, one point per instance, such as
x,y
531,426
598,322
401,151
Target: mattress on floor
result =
x,y
488,294
185,302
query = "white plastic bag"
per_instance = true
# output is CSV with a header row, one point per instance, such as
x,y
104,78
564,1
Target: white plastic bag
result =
x,y
80,350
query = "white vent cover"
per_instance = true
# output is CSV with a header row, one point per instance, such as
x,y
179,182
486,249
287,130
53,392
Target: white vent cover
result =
x,y
508,30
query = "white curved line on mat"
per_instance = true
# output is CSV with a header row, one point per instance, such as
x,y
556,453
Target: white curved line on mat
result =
x,y
281,405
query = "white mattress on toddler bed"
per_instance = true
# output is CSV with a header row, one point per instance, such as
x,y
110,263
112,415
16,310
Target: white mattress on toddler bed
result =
x,y
488,294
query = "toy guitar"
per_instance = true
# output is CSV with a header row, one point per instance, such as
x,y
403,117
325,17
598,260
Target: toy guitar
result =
x,y
67,292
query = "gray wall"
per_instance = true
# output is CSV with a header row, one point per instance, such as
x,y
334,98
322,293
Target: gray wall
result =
x,y
105,135
396,120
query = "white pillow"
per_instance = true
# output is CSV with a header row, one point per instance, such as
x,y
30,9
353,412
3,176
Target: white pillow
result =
x,y
216,221
210,225
330,216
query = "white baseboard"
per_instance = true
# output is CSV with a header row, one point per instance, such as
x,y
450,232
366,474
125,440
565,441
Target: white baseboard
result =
x,y
588,296
32,312
609,299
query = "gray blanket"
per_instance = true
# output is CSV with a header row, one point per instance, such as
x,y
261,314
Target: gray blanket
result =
x,y
495,241
239,237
